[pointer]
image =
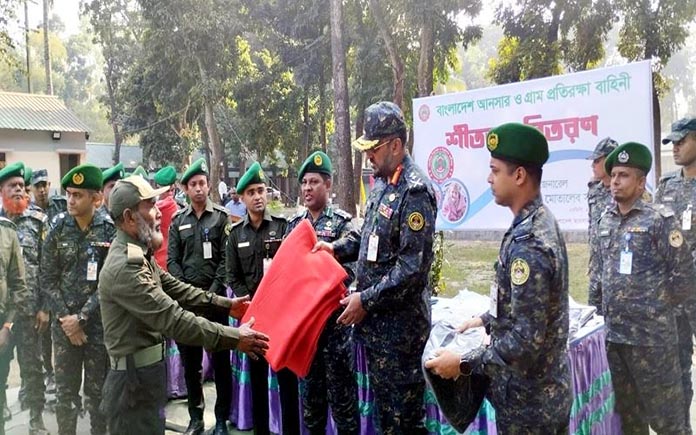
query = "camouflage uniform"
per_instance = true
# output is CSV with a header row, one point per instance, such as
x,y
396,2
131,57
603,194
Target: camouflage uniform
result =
x,y
394,290
679,193
527,361
31,230
331,379
56,204
639,314
598,199
15,299
66,253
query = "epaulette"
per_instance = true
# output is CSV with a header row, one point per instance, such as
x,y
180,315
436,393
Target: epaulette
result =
x,y
221,208
38,214
135,254
238,223
178,212
342,213
7,223
414,180
663,209
668,176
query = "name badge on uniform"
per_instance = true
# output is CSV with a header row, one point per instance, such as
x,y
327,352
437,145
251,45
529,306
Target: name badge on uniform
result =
x,y
207,250
266,264
372,245
686,219
242,244
92,270
493,309
184,227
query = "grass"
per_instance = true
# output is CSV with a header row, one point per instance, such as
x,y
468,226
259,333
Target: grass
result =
x,y
469,264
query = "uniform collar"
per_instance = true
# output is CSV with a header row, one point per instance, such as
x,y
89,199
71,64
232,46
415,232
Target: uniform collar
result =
x,y
125,238
528,210
266,217
328,212
638,205
208,207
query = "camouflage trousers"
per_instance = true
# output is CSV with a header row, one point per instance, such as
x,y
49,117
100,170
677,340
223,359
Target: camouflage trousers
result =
x,y
648,388
69,363
29,357
331,381
686,352
398,405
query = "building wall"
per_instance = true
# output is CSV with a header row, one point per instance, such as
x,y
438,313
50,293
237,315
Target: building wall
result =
x,y
38,150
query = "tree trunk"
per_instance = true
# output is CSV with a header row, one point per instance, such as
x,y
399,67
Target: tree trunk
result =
x,y
358,157
113,108
341,110
322,109
394,56
211,129
26,41
47,49
426,61
305,125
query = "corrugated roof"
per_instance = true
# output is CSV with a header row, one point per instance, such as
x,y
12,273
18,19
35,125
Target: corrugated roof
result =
x,y
37,112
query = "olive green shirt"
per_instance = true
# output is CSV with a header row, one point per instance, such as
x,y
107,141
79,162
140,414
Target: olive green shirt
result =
x,y
140,303
14,294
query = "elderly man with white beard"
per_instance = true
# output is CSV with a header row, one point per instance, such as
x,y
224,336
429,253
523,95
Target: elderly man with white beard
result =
x,y
141,303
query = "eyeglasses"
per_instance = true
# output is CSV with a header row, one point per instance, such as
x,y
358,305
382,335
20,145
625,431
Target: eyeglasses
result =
x,y
373,150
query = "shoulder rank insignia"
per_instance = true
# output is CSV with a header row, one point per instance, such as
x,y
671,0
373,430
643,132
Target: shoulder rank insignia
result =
x,y
519,271
416,221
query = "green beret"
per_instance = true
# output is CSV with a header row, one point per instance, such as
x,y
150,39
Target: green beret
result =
x,y
14,170
86,176
518,143
27,175
140,171
317,162
166,176
114,173
631,154
197,167
253,175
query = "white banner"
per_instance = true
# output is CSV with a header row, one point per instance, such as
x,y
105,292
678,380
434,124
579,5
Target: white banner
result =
x,y
574,112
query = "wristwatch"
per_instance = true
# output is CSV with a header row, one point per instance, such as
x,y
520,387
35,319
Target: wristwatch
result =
x,y
465,367
81,319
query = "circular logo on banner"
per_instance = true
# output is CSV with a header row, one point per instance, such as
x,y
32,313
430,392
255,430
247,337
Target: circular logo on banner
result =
x,y
440,164
454,202
424,113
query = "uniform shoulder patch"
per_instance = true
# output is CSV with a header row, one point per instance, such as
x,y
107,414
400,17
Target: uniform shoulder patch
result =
x,y
221,208
342,213
416,221
676,239
519,271
135,254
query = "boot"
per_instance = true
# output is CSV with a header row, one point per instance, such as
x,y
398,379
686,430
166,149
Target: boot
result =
x,y
195,427
36,423
220,428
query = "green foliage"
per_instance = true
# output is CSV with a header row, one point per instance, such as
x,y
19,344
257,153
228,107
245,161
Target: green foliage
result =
x,y
7,15
435,277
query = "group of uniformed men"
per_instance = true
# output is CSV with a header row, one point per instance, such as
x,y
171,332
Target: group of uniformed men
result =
x,y
109,236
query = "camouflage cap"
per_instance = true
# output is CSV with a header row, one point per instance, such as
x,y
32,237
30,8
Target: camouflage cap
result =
x,y
86,176
27,175
518,143
166,176
197,167
631,154
253,175
128,192
14,170
603,148
382,120
38,176
317,162
114,173
679,130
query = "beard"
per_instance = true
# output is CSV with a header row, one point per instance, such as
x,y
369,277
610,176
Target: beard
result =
x,y
15,206
147,234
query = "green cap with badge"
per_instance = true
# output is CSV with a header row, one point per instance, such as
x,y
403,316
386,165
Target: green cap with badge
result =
x,y
127,193
253,175
114,173
382,120
679,130
14,170
85,176
166,176
631,154
27,176
518,143
317,162
196,168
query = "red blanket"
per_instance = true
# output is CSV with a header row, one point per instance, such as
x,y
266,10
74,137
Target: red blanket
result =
x,y
295,299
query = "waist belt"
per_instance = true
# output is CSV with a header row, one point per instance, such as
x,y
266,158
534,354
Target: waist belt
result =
x,y
142,358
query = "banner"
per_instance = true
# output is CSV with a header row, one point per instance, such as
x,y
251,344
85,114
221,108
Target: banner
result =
x,y
574,111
